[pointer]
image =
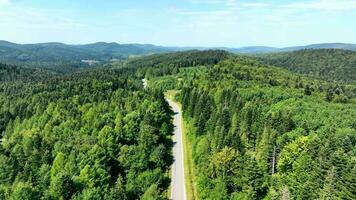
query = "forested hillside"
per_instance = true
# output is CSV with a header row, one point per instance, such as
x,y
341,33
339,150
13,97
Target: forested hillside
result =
x,y
256,131
13,73
170,63
265,133
89,135
329,64
64,58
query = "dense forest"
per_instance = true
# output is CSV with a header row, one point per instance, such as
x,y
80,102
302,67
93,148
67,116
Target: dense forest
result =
x,y
256,131
329,64
265,133
63,58
13,73
170,63
88,135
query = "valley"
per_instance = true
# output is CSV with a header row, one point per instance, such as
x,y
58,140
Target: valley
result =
x,y
254,130
178,100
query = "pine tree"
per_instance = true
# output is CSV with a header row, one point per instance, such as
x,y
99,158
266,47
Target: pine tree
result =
x,y
329,191
307,90
285,194
329,95
201,124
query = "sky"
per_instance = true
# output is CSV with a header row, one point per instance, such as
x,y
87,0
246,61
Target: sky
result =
x,y
209,23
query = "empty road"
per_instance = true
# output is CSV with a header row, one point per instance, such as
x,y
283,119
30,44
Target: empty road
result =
x,y
178,181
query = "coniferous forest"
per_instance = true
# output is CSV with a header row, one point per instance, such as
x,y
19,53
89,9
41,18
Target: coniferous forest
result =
x,y
258,128
88,135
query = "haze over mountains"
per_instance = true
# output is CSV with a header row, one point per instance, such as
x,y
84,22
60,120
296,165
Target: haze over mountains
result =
x,y
59,51
64,57
103,50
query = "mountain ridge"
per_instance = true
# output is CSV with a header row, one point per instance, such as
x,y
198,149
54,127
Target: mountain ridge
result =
x,y
60,57
243,49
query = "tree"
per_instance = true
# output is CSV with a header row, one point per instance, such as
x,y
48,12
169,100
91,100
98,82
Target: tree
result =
x,y
219,191
152,193
285,194
329,95
58,164
224,163
307,90
23,191
5,169
328,191
62,186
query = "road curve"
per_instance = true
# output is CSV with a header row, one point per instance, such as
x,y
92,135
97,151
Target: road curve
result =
x,y
178,180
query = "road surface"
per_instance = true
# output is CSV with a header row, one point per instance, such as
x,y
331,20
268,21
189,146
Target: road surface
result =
x,y
178,181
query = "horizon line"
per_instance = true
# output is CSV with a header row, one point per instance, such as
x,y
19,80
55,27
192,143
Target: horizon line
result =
x,y
176,46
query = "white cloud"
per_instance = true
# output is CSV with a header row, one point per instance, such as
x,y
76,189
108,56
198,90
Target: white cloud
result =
x,y
215,2
330,5
4,1
36,18
255,5
205,13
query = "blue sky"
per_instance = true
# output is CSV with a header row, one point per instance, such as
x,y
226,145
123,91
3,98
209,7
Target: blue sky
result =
x,y
230,23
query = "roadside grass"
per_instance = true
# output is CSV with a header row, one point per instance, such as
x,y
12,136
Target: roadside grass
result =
x,y
170,94
189,166
188,160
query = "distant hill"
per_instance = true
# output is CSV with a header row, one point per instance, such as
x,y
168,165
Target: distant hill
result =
x,y
266,49
252,49
172,61
344,46
329,64
63,57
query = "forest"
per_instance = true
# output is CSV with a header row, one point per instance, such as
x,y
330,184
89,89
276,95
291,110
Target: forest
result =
x,y
257,129
329,64
260,132
87,135
63,58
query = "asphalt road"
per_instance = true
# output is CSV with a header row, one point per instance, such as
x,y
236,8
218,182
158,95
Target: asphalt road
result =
x,y
178,181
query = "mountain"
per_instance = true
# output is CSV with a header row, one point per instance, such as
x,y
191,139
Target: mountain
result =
x,y
252,49
344,46
99,50
62,57
266,49
179,59
329,64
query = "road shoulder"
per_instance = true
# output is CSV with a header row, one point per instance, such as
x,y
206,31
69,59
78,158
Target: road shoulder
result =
x,y
189,174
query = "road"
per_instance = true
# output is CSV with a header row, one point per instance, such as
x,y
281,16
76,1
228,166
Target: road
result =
x,y
178,181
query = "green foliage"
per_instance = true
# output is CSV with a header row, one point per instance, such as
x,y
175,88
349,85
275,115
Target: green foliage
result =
x,y
170,63
88,135
23,191
329,64
152,193
62,58
257,132
266,133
